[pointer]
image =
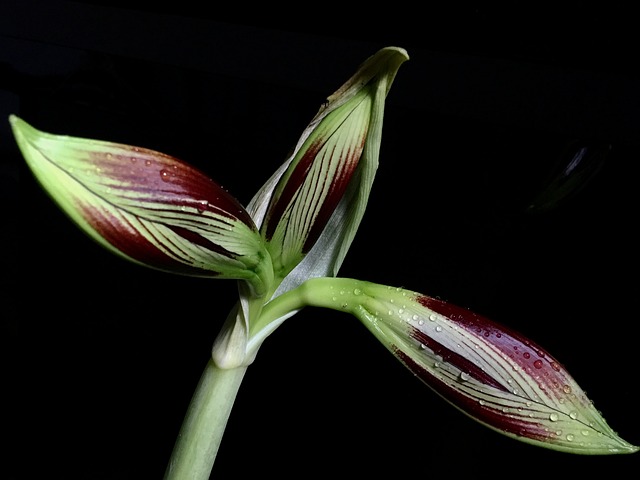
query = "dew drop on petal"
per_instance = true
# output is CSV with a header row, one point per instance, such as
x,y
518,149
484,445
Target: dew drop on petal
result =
x,y
537,364
553,417
438,328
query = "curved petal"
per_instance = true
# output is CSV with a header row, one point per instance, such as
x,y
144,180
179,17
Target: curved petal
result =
x,y
318,197
488,371
147,207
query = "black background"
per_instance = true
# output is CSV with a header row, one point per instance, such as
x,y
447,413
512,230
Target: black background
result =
x,y
99,357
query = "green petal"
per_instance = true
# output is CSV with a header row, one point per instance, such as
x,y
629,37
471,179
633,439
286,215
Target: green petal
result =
x,y
145,206
310,210
493,374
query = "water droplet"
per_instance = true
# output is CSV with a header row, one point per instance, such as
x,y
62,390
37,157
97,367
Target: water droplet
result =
x,y
420,322
400,311
538,364
585,432
202,205
432,317
415,317
526,355
164,175
357,291
147,162
463,377
573,415
344,305
566,389
438,328
553,417
555,366
570,437
481,402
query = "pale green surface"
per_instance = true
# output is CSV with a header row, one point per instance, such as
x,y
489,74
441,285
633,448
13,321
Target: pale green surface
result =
x,y
204,424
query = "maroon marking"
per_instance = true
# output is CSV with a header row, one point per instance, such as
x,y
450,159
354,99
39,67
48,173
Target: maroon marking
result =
x,y
506,422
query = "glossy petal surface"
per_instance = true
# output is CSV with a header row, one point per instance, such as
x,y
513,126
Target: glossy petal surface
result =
x,y
490,372
146,206
310,209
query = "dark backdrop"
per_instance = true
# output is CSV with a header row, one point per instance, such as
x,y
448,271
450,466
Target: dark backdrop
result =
x,y
99,357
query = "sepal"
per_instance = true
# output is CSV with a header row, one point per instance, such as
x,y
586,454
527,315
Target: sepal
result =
x,y
148,207
492,373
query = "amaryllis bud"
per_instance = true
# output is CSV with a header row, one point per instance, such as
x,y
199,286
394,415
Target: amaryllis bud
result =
x,y
147,207
493,374
318,197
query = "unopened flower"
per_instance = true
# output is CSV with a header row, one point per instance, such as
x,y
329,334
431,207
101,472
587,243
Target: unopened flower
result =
x,y
148,207
493,374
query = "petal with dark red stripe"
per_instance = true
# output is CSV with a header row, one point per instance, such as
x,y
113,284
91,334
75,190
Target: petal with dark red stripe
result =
x,y
490,372
318,197
146,206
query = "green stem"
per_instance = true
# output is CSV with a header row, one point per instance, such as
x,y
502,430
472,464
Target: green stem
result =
x,y
335,293
197,444
201,433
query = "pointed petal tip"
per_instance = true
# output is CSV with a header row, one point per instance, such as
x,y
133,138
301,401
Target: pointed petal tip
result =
x,y
15,122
